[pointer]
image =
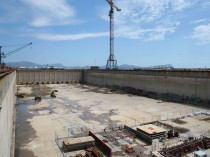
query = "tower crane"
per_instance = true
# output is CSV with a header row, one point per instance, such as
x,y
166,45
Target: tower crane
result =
x,y
4,55
112,62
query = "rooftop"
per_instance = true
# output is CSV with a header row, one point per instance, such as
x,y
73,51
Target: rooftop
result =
x,y
151,129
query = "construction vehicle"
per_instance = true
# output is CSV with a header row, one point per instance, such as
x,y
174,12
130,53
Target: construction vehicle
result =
x,y
53,94
37,99
7,54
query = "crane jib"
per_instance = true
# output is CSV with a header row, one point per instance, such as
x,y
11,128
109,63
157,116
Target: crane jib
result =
x,y
4,55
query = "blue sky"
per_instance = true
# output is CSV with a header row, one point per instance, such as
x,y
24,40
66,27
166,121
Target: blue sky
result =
x,y
75,32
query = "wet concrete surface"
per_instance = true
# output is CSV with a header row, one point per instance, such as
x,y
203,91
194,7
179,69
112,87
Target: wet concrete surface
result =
x,y
25,133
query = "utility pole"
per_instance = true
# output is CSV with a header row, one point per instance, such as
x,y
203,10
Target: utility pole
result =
x,y
111,62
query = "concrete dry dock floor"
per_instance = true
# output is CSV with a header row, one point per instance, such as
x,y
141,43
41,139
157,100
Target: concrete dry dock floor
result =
x,y
79,108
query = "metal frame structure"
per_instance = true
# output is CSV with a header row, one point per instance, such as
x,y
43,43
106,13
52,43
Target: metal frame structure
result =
x,y
4,55
112,62
186,147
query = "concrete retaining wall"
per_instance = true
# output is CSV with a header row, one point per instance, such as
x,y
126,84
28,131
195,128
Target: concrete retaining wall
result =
x,y
181,86
48,76
7,114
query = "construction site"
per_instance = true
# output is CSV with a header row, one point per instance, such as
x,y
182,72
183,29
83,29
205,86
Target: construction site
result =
x,y
84,120
157,111
104,112
71,113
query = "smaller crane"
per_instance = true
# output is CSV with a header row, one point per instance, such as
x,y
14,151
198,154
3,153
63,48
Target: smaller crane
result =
x,y
4,55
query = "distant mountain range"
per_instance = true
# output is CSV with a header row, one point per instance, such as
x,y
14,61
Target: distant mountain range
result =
x,y
26,64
